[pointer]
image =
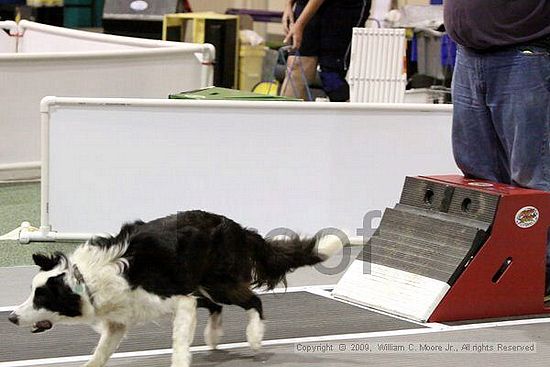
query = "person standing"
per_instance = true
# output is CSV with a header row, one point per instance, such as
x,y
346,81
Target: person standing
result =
x,y
501,91
320,33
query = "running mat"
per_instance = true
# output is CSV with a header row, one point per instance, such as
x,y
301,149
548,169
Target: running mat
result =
x,y
288,315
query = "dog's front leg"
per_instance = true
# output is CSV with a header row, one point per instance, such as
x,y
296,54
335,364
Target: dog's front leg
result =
x,y
185,317
111,335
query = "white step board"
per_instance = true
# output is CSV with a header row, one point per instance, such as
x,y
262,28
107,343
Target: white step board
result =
x,y
391,290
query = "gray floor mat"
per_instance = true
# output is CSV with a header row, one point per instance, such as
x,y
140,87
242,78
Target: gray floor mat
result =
x,y
285,356
289,315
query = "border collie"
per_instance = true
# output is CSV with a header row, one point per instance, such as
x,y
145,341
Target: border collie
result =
x,y
170,265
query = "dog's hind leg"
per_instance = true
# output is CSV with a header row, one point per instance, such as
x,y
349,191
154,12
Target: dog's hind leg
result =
x,y
255,328
185,316
239,294
111,335
214,329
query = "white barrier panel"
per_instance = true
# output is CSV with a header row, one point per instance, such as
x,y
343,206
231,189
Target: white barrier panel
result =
x,y
267,165
45,38
8,44
98,66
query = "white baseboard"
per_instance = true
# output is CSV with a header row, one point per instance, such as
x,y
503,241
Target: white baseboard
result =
x,y
29,174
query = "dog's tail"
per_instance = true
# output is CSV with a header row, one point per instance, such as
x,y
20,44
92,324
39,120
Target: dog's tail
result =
x,y
274,258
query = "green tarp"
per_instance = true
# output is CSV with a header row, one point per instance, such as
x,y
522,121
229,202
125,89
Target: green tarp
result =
x,y
216,93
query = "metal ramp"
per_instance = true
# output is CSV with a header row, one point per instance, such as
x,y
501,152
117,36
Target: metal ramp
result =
x,y
447,247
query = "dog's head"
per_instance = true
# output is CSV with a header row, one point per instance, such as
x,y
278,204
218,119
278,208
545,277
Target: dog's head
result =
x,y
56,295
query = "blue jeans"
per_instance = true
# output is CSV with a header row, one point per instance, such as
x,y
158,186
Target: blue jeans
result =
x,y
501,117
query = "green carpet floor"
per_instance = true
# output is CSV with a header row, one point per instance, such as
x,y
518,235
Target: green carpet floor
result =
x,y
21,202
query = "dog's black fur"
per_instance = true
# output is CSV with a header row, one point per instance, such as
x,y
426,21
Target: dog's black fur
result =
x,y
57,296
208,255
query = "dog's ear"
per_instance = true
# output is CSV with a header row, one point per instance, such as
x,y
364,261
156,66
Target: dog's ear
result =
x,y
128,228
46,262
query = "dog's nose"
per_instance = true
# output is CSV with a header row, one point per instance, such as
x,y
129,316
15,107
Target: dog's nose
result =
x,y
14,318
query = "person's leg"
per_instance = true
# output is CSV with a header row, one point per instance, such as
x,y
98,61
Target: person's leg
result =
x,y
302,65
337,21
518,96
519,99
477,149
297,69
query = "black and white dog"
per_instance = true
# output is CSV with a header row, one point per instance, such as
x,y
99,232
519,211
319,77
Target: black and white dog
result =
x,y
169,265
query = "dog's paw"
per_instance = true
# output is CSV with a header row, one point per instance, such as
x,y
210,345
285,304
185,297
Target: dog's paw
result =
x,y
214,330
181,360
255,330
93,364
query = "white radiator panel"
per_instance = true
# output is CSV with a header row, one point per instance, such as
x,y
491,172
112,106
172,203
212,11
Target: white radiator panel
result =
x,y
377,73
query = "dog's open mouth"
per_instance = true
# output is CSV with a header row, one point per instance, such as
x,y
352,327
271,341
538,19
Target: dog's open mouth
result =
x,y
41,326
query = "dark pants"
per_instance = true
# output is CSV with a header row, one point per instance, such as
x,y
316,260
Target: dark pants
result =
x,y
328,37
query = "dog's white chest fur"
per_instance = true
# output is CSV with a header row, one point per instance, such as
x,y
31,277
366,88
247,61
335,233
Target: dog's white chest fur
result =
x,y
144,306
134,306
